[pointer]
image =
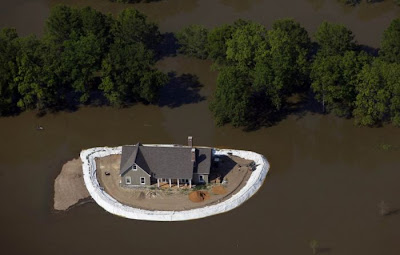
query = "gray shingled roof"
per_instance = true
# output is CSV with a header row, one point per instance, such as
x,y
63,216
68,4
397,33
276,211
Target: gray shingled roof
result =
x,y
203,160
166,162
128,157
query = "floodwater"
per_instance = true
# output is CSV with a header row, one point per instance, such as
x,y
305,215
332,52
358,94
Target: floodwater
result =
x,y
326,179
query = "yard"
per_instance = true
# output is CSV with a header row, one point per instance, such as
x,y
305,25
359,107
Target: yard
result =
x,y
226,179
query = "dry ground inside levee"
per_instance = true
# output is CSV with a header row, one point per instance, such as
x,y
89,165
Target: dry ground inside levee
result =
x,y
231,170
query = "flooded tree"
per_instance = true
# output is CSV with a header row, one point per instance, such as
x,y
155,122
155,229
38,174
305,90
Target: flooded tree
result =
x,y
8,69
390,46
232,97
334,39
334,79
314,246
193,41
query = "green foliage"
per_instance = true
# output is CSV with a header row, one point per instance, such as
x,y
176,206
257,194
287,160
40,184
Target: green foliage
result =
x,y
30,74
193,41
9,48
65,22
131,26
216,43
81,58
78,46
81,36
350,2
247,41
392,79
126,1
274,63
133,1
385,146
334,79
150,84
390,46
127,75
314,246
62,21
372,101
232,96
334,39
283,66
259,68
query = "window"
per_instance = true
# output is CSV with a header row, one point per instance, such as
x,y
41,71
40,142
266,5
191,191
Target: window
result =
x,y
142,180
128,180
201,178
134,167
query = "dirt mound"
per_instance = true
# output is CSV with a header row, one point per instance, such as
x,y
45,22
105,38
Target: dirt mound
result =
x,y
69,186
199,196
219,190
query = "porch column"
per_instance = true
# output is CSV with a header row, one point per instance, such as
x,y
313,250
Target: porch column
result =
x,y
177,180
170,183
190,183
158,182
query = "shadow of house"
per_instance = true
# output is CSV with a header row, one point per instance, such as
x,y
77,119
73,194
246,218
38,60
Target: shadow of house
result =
x,y
222,168
181,90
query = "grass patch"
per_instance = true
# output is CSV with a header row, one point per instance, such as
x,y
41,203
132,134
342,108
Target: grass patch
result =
x,y
388,147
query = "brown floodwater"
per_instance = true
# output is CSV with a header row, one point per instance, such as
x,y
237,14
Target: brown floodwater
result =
x,y
326,179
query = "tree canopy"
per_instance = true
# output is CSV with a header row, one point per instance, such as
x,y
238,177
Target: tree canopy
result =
x,y
334,39
378,95
232,96
193,41
334,79
273,63
390,46
247,40
82,51
9,48
128,75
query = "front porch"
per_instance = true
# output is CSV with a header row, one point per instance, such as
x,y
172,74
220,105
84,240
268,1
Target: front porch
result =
x,y
174,182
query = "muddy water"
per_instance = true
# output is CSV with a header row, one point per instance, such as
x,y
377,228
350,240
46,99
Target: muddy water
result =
x,y
367,21
326,179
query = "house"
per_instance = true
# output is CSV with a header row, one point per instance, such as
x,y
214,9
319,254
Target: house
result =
x,y
180,165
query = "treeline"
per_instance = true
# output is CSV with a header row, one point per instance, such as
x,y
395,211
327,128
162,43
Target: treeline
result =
x,y
82,53
355,2
259,69
133,1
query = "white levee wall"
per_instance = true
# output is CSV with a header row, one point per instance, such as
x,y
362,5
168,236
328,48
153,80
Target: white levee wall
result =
x,y
113,206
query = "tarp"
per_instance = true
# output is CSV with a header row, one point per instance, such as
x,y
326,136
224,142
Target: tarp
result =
x,y
111,205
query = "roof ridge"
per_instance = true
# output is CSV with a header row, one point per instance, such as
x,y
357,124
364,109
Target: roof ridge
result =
x,y
134,155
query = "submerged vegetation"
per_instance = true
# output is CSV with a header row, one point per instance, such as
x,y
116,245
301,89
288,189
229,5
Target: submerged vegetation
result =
x,y
87,57
356,2
82,55
260,69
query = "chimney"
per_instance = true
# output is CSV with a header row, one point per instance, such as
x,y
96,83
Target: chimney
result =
x,y
193,155
190,141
